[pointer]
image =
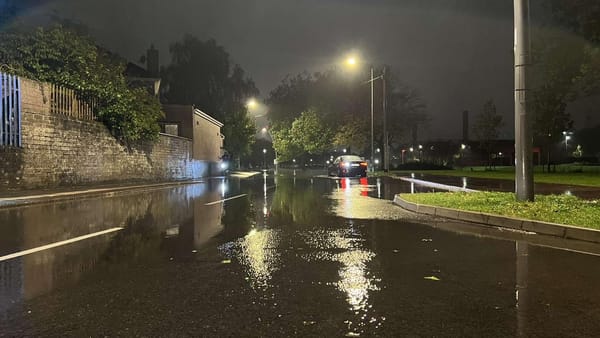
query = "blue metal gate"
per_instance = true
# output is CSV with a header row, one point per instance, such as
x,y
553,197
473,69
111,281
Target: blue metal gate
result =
x,y
10,110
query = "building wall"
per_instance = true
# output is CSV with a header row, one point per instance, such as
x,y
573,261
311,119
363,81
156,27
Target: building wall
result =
x,y
183,115
59,150
207,139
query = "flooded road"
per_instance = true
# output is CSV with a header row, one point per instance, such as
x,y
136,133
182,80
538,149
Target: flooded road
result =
x,y
306,256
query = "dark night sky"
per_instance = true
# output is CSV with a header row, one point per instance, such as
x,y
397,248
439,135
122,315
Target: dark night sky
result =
x,y
457,53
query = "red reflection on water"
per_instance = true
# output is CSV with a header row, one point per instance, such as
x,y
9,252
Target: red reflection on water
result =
x,y
344,183
363,190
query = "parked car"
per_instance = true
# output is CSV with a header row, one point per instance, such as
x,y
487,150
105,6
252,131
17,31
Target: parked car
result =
x,y
348,166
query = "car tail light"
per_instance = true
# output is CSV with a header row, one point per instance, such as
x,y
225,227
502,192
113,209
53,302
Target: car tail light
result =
x,y
363,164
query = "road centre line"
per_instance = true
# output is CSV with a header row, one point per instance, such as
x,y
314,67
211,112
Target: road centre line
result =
x,y
54,245
227,199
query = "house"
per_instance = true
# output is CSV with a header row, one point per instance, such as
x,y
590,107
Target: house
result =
x,y
192,123
149,77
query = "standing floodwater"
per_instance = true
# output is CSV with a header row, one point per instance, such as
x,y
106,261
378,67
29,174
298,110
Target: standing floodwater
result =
x,y
296,256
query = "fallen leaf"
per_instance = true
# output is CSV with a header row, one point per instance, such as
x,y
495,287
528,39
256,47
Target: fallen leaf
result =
x,y
434,278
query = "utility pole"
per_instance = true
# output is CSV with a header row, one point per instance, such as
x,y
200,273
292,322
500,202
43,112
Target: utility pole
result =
x,y
386,149
372,150
523,139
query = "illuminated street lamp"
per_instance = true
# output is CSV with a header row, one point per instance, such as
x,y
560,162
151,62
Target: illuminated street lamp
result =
x,y
264,158
251,103
567,135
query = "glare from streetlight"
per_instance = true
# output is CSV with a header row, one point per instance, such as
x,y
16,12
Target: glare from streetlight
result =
x,y
251,103
351,61
264,151
264,130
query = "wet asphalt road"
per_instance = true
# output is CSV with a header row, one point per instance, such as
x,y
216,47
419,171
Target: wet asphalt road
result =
x,y
305,256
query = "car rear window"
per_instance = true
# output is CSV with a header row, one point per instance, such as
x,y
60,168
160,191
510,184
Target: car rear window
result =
x,y
351,158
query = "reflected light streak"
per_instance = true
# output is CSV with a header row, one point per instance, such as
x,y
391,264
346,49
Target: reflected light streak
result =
x,y
259,257
223,188
353,278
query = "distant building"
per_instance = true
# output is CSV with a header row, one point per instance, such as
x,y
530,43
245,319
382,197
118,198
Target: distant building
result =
x,y
149,77
189,122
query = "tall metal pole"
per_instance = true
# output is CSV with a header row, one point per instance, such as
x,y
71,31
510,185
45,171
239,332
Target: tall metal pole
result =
x,y
523,140
386,155
372,149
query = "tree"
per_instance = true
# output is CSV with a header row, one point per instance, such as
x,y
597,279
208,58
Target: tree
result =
x,y
239,130
311,134
201,74
558,59
337,98
354,134
307,134
73,60
487,128
407,112
581,16
284,144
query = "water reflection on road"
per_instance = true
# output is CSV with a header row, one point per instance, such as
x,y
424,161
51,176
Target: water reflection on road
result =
x,y
310,256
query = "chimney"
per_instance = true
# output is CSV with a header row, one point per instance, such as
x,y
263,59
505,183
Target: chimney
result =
x,y
152,66
465,123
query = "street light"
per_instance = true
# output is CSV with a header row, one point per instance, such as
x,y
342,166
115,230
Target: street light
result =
x,y
352,61
251,103
264,158
265,131
567,135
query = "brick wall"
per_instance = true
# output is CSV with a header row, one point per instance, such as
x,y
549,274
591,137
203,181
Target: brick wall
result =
x,y
59,150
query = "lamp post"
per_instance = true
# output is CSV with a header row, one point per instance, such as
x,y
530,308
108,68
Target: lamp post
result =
x,y
264,158
523,141
351,61
567,135
264,130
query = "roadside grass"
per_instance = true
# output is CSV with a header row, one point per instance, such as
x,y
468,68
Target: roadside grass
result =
x,y
562,209
565,174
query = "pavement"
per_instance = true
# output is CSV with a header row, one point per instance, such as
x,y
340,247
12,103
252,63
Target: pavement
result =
x,y
14,198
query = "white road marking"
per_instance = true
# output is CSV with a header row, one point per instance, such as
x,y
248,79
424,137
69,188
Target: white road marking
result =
x,y
54,245
227,199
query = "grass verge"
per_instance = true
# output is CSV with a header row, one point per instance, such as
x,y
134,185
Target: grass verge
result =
x,y
590,179
562,209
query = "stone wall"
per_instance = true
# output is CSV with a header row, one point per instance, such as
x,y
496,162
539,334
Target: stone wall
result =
x,y
58,150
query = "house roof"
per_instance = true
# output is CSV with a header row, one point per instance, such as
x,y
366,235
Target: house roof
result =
x,y
207,117
133,70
